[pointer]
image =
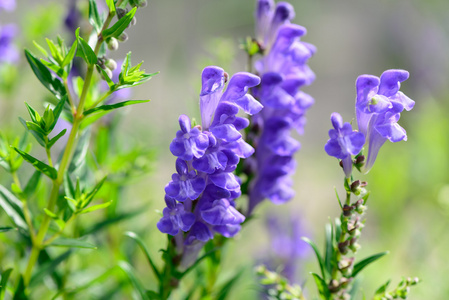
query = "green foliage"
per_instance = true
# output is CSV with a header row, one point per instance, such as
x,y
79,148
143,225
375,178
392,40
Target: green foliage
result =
x,y
117,29
131,76
39,165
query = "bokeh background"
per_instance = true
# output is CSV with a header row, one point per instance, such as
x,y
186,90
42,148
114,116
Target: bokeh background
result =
x,y
409,202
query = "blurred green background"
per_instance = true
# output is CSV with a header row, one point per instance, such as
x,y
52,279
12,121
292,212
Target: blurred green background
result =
x,y
409,202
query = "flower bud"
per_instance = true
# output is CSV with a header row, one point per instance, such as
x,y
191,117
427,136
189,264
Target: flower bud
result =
x,y
133,21
108,72
112,44
343,247
347,210
121,12
111,64
101,62
359,159
333,286
345,263
123,37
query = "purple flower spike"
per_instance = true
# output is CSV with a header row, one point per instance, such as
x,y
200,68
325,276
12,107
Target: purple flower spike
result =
x,y
8,52
344,142
378,106
175,218
200,232
8,5
189,142
185,184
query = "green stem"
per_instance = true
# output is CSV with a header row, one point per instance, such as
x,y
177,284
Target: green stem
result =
x,y
101,99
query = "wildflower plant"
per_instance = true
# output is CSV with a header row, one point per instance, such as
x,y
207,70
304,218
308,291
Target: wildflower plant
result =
x,y
239,153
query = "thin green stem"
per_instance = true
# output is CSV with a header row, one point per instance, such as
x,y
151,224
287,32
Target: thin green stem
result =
x,y
107,94
57,234
69,96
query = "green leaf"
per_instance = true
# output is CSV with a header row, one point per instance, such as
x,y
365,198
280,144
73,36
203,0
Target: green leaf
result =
x,y
70,55
55,68
110,221
56,138
71,243
329,248
113,106
317,254
132,277
34,127
355,288
53,84
94,16
363,263
48,268
117,29
142,246
37,135
12,207
40,48
79,157
383,288
95,207
58,110
111,6
337,230
322,287
224,291
5,276
97,187
35,117
19,294
6,229
105,76
40,166
86,52
55,52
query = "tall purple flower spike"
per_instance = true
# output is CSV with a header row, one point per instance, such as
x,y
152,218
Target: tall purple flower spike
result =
x,y
344,142
379,104
284,71
8,52
8,5
204,186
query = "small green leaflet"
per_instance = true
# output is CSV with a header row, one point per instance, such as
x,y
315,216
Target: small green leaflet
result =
x,y
117,29
113,106
72,243
40,166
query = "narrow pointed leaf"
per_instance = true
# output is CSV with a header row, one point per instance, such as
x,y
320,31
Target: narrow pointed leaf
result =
x,y
5,276
142,246
37,135
95,207
317,254
329,244
12,207
56,138
6,228
70,55
19,294
362,264
72,243
226,288
48,268
103,108
31,186
47,79
86,52
40,166
111,6
95,190
135,282
117,29
58,110
322,287
94,16
383,288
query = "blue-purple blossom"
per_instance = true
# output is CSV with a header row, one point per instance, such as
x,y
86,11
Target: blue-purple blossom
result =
x,y
344,142
204,185
379,104
284,70
8,5
8,52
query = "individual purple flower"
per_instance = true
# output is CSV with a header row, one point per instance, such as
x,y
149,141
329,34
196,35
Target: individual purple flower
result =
x,y
185,184
8,5
379,104
8,52
207,156
344,142
175,218
189,142
284,71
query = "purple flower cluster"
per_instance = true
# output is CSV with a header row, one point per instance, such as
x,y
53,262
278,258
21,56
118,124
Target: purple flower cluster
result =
x,y
8,52
379,104
200,196
284,71
8,5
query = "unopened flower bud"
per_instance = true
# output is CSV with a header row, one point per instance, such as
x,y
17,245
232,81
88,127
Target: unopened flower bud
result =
x,y
347,210
333,286
355,185
111,64
121,12
108,72
123,37
360,159
133,21
345,263
343,247
112,44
